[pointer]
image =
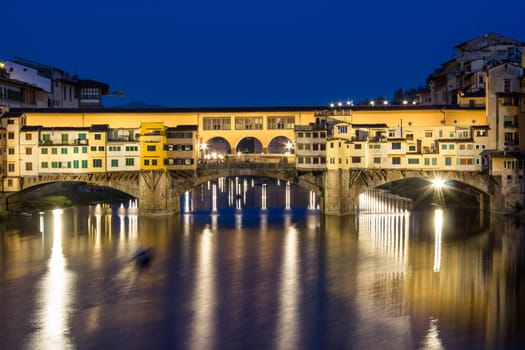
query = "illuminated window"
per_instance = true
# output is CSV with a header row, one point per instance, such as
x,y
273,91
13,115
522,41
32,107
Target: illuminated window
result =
x,y
217,123
284,122
248,123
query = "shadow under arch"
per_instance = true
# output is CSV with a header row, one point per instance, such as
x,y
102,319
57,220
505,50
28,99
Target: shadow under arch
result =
x,y
280,145
215,147
249,145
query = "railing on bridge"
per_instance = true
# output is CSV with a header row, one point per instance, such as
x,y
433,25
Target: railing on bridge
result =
x,y
258,161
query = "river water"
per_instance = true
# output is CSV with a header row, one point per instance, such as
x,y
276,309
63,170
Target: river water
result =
x,y
262,279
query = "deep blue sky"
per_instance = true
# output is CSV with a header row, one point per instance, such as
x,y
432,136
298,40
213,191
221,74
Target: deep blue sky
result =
x,y
194,53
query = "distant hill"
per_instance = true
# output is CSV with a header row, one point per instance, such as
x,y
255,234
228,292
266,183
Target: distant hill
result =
x,y
138,105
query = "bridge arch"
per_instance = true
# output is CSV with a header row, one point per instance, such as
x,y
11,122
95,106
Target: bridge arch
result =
x,y
284,173
280,145
249,145
215,147
343,199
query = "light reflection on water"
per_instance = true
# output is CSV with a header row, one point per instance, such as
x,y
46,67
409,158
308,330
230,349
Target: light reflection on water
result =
x,y
54,297
267,279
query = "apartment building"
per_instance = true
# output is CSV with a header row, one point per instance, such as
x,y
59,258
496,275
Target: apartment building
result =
x,y
152,141
182,148
19,94
344,142
51,87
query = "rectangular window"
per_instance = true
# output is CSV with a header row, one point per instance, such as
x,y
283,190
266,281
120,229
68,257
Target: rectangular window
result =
x,y
448,161
218,123
75,164
82,136
427,161
130,161
428,133
396,145
97,137
75,149
11,135
413,160
63,150
11,151
29,137
84,164
153,162
356,160
357,146
44,165
54,150
65,138
412,148
396,161
84,149
29,150
481,133
284,122
151,148
377,160
93,148
466,161
444,146
248,123
114,163
451,146
101,148
97,163
146,162
434,161
29,166
506,85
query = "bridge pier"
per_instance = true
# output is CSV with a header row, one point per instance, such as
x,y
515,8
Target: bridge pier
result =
x,y
339,195
157,195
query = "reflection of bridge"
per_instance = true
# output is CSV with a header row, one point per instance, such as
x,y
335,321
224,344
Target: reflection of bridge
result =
x,y
339,190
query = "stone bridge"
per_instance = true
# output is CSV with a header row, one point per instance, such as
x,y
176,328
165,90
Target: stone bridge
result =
x,y
159,192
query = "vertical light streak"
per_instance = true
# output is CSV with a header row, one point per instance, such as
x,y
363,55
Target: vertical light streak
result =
x,y
263,197
288,318
54,298
287,198
214,198
187,201
438,227
203,330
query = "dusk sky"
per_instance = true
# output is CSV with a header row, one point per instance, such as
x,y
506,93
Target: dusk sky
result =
x,y
251,53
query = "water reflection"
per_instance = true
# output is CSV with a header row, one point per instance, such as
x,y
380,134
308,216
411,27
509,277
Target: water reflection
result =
x,y
267,279
438,228
54,298
289,291
203,331
239,193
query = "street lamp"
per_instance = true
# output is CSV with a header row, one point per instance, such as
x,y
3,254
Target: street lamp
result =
x,y
438,184
288,147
